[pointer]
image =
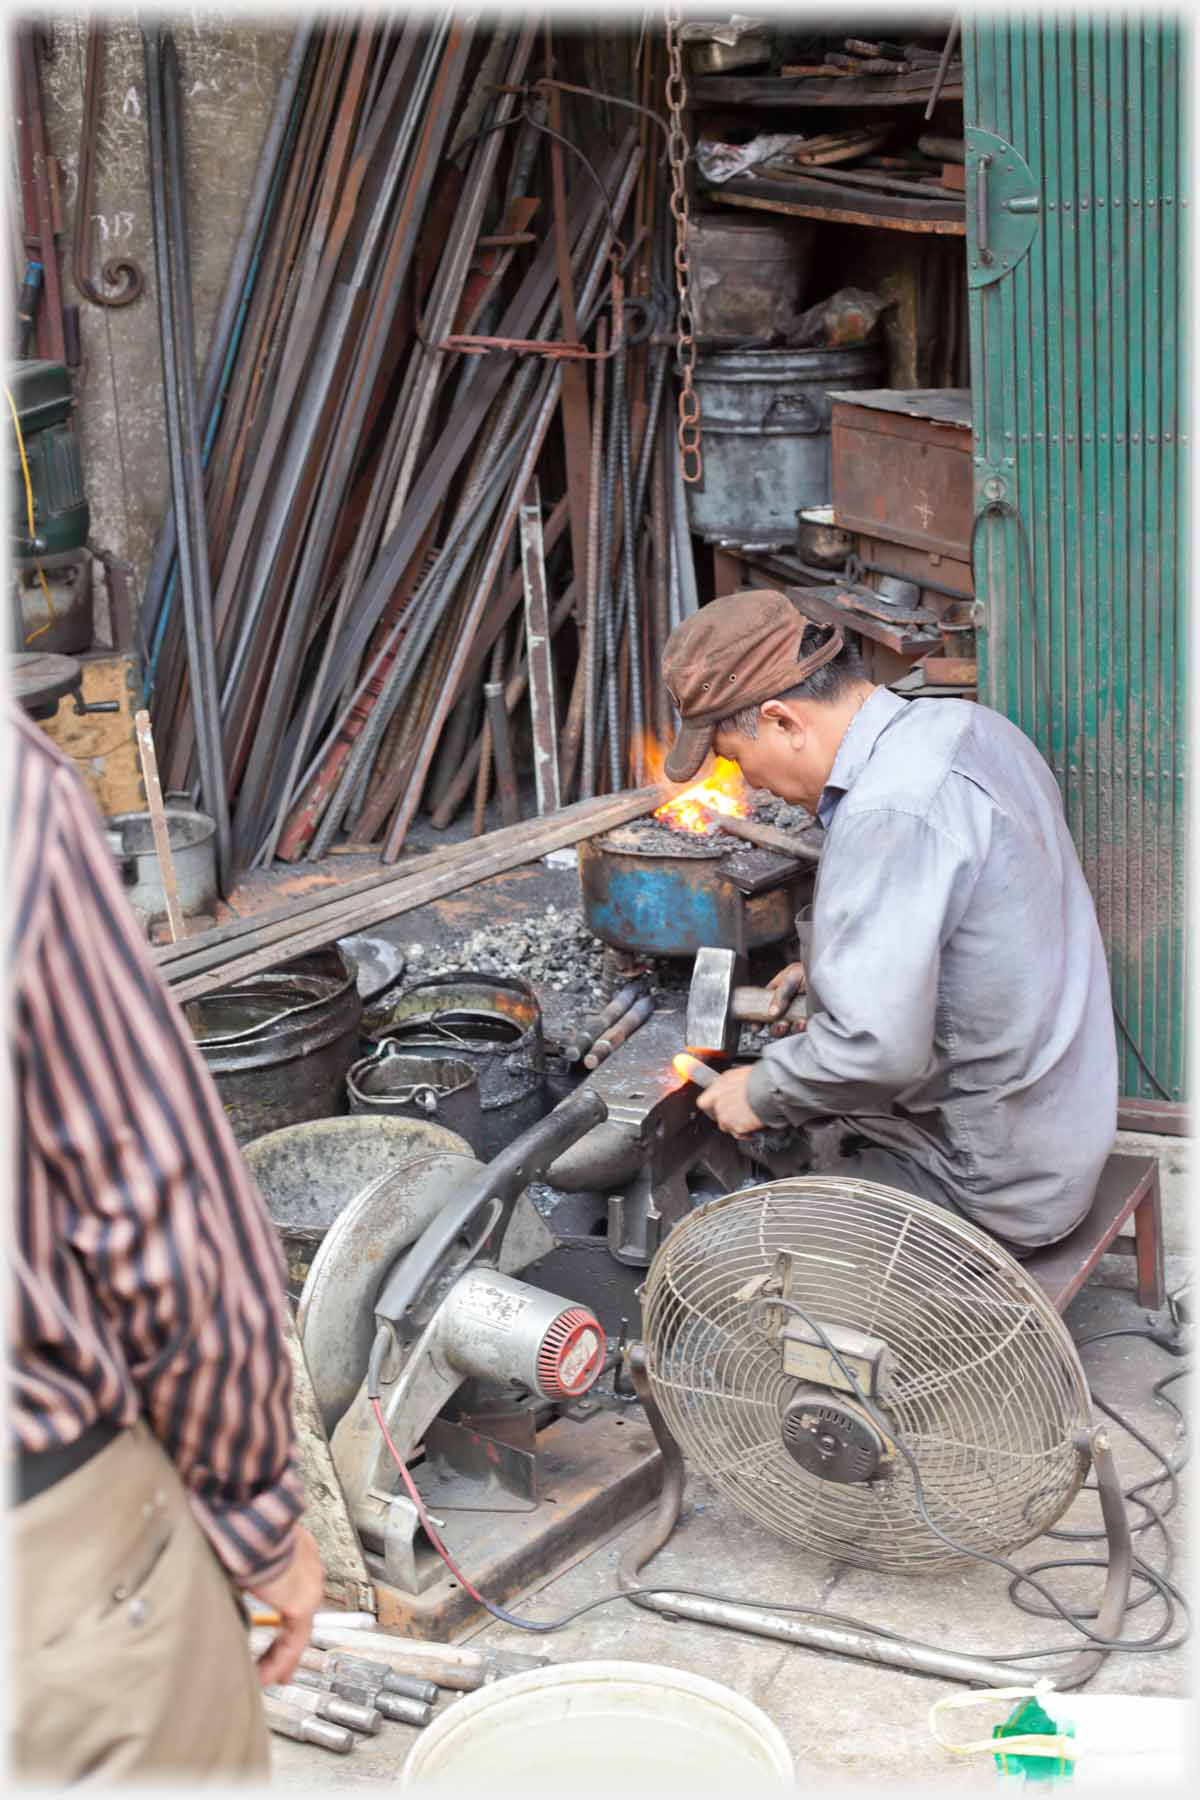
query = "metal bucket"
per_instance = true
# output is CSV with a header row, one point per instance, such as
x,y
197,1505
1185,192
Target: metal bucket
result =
x,y
765,422
279,1045
193,853
307,1174
492,1022
750,277
398,1082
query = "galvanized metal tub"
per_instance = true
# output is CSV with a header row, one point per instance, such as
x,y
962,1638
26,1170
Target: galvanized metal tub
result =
x,y
398,1082
193,852
765,423
307,1174
279,1045
656,905
750,277
494,1023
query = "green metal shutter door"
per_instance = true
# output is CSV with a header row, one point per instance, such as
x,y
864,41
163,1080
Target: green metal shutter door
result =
x,y
1078,335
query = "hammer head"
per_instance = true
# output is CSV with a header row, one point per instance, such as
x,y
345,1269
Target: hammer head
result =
x,y
710,1023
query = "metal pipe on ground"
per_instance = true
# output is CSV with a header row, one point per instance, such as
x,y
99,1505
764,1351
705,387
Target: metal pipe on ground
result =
x,y
329,1665
617,1034
893,1652
355,1717
286,1720
577,1046
388,1705
456,1666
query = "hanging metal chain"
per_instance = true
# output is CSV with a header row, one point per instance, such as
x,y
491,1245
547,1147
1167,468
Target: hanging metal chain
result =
x,y
688,433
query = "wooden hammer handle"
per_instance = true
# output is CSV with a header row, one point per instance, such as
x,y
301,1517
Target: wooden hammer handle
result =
x,y
752,1005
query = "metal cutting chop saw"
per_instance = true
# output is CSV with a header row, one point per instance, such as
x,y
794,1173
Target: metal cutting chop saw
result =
x,y
414,1301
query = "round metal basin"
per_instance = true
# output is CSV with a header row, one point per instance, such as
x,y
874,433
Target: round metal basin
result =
x,y
279,1045
308,1173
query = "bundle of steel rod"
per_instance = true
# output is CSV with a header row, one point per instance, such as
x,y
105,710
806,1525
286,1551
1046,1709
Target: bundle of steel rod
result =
x,y
442,511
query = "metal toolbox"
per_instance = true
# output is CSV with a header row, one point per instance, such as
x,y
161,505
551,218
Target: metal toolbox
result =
x,y
902,467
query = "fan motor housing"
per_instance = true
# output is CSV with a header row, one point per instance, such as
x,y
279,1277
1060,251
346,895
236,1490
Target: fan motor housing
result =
x,y
830,1438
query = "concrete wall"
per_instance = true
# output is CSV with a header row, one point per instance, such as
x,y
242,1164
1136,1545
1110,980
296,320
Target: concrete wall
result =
x,y
230,68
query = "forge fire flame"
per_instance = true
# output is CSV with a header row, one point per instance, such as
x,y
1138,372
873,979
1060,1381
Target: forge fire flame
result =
x,y
723,789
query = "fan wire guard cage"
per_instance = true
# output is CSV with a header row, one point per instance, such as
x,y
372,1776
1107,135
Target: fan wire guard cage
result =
x,y
984,1386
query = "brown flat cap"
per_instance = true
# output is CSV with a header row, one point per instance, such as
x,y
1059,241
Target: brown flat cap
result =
x,y
734,652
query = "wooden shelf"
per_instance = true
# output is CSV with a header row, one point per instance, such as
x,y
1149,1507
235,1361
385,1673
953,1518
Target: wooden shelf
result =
x,y
780,92
854,210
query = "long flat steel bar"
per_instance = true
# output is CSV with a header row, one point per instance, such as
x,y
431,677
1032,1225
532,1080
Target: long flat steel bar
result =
x,y
525,843
539,656
183,447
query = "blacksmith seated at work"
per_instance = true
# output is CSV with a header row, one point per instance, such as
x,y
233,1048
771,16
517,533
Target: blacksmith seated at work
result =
x,y
960,1028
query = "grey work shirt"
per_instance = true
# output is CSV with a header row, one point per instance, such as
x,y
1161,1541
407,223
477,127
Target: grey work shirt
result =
x,y
959,1009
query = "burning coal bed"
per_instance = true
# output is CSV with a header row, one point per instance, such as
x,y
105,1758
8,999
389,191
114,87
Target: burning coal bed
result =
x,y
556,951
659,835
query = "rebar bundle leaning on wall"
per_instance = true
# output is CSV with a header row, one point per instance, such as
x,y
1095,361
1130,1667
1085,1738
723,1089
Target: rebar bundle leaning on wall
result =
x,y
451,291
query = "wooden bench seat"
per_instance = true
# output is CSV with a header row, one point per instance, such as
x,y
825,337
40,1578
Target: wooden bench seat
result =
x,y
1128,1186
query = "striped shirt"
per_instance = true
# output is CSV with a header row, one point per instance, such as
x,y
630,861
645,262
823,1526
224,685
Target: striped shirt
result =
x,y
147,1278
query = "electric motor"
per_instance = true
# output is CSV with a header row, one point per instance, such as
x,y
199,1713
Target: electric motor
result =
x,y
504,1330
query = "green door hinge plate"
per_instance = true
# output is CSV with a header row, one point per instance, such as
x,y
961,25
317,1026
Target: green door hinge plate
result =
x,y
1003,207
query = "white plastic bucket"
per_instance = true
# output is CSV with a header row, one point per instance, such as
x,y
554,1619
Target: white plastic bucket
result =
x,y
585,1726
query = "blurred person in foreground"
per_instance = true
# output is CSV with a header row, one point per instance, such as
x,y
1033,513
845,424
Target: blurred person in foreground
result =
x,y
152,1459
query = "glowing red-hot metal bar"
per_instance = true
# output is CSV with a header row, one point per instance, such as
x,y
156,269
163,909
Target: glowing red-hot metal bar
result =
x,y
693,1070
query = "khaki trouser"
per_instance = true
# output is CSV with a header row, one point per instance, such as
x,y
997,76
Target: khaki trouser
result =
x,y
129,1655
